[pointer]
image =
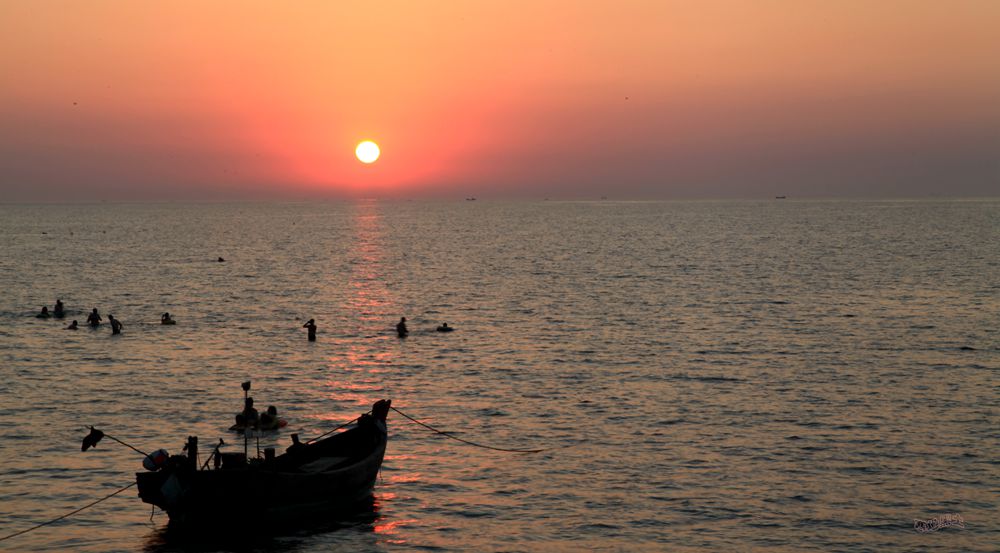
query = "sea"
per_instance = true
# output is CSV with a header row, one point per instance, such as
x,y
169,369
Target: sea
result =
x,y
776,375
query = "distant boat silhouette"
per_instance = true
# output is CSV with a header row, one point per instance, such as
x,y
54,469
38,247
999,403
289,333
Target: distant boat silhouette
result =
x,y
470,199
779,197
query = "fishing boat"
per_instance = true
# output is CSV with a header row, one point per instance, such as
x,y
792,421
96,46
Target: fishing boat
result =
x,y
330,475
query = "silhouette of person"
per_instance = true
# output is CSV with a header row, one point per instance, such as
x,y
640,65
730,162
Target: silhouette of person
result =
x,y
269,419
59,310
248,418
44,314
72,325
116,325
296,445
166,320
311,325
401,328
444,328
94,319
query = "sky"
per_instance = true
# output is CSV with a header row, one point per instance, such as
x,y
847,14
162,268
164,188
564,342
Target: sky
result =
x,y
211,100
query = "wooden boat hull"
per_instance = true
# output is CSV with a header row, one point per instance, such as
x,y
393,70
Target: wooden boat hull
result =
x,y
330,476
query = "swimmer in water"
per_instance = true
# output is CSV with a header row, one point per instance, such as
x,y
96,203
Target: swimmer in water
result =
x,y
444,328
44,314
311,325
94,319
72,326
401,329
269,419
248,418
166,320
59,310
116,325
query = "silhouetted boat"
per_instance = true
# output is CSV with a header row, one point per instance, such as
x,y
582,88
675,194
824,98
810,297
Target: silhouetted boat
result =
x,y
779,197
328,476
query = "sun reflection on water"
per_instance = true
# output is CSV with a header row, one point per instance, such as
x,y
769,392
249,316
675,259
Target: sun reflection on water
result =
x,y
369,304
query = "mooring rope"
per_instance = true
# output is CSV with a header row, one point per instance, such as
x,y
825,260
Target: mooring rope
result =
x,y
130,446
135,449
57,519
325,434
449,435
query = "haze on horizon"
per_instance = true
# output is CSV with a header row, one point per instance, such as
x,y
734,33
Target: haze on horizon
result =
x,y
119,100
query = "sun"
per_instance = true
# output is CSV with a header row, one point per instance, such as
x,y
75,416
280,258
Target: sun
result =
x,y
367,151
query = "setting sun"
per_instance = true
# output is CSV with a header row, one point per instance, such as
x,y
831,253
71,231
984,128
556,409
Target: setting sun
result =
x,y
367,151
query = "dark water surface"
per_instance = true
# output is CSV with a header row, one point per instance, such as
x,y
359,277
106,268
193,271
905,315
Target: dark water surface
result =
x,y
716,376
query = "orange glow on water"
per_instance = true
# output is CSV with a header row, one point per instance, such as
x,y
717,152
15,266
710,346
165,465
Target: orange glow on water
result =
x,y
391,527
356,394
370,299
405,478
368,303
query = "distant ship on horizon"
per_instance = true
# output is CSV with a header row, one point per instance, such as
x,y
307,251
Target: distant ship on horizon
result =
x,y
780,197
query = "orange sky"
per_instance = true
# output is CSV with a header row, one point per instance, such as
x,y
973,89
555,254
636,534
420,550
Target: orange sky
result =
x,y
176,100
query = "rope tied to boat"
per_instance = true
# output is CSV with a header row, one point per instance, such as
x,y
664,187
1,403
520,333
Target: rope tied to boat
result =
x,y
69,514
95,436
449,435
327,433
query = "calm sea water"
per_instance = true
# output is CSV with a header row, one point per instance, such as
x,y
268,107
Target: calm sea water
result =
x,y
714,376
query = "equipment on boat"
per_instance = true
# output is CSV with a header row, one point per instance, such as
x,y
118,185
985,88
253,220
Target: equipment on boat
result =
x,y
156,459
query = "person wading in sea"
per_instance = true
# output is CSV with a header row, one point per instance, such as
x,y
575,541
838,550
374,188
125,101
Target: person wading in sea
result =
x,y
94,319
401,328
116,325
311,325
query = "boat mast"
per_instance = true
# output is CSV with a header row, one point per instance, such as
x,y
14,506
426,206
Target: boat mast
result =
x,y
246,393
